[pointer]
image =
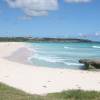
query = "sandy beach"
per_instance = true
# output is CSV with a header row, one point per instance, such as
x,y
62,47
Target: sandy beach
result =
x,y
16,72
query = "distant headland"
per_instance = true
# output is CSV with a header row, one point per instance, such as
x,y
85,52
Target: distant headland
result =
x,y
32,39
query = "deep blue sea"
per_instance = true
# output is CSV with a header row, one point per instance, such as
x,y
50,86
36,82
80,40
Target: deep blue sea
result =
x,y
63,55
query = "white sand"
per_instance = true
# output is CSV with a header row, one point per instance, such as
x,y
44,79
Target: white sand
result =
x,y
40,80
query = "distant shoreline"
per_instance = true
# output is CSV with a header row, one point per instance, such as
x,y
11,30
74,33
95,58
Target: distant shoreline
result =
x,y
32,39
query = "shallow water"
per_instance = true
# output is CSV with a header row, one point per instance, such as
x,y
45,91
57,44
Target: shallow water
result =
x,y
63,55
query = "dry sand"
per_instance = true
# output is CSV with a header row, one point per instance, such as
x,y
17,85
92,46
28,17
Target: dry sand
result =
x,y
41,80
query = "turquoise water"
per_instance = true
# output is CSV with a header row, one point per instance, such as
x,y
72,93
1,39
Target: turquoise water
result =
x,y
63,55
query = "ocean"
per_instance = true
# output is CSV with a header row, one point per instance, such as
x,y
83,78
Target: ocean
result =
x,y
63,55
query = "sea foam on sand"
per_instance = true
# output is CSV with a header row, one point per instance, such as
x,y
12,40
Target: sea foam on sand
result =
x,y
41,80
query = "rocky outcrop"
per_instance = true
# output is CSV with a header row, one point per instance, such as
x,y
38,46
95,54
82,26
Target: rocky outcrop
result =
x,y
90,64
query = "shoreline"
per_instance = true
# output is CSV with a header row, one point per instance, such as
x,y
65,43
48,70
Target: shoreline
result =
x,y
41,80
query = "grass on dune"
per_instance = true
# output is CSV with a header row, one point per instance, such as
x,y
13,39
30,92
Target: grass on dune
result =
x,y
9,93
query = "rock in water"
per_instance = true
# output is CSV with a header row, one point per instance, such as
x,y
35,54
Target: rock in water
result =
x,y
90,64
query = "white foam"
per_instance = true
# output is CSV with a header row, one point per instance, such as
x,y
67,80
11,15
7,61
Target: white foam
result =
x,y
98,47
74,64
66,47
47,59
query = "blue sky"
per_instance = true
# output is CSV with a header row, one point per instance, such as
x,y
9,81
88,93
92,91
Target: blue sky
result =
x,y
58,19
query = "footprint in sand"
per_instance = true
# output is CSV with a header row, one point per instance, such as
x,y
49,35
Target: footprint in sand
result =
x,y
44,86
78,86
98,82
6,76
49,81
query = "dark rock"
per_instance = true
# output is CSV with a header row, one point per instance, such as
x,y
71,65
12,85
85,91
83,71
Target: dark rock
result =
x,y
90,64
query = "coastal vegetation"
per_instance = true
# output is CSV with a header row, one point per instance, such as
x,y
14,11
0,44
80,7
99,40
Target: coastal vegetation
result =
x,y
31,39
9,93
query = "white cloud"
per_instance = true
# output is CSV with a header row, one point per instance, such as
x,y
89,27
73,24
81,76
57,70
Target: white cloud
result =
x,y
77,1
34,7
97,33
38,7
